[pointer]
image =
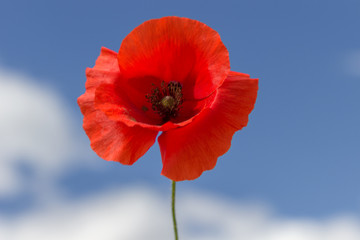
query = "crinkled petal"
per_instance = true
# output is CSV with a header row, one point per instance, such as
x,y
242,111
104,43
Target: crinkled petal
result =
x,y
176,49
106,62
105,71
188,151
115,141
111,140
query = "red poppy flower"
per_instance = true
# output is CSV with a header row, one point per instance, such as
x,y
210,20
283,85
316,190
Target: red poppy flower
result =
x,y
171,75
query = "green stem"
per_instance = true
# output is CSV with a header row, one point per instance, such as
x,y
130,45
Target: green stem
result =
x,y
173,209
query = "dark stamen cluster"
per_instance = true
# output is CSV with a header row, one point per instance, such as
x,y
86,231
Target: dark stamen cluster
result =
x,y
166,100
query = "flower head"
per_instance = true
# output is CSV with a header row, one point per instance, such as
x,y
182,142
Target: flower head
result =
x,y
171,75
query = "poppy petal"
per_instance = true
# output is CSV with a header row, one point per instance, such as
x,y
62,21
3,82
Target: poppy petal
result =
x,y
111,140
188,151
176,49
105,71
115,141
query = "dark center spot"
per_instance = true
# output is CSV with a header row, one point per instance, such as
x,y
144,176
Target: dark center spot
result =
x,y
166,100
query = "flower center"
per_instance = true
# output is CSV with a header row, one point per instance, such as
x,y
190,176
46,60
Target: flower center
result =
x,y
166,100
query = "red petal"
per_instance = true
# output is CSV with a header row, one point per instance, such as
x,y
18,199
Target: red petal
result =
x,y
115,141
106,62
106,70
188,151
176,49
111,140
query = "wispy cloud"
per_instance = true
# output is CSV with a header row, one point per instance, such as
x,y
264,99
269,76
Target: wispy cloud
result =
x,y
351,63
138,213
35,129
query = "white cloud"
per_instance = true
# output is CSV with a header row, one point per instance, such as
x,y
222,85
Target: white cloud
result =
x,y
35,129
351,63
138,213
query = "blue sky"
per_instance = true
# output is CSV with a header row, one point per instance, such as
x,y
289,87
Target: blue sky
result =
x,y
299,154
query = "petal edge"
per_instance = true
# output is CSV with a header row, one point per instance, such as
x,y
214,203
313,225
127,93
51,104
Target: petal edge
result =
x,y
189,151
